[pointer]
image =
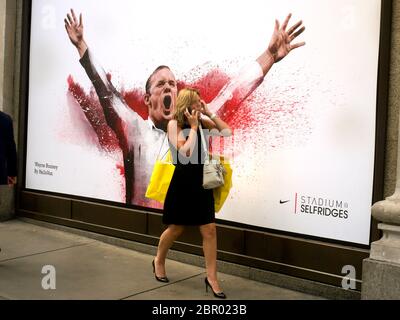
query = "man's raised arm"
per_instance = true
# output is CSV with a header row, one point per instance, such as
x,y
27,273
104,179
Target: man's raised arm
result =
x,y
114,106
251,76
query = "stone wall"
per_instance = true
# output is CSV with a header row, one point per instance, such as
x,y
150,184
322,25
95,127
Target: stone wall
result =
x,y
394,102
10,49
10,44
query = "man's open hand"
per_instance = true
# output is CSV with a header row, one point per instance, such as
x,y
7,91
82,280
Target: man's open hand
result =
x,y
75,31
281,41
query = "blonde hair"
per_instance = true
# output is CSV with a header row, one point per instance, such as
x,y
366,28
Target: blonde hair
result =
x,y
186,98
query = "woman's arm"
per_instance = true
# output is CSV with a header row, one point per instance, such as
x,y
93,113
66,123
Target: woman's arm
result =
x,y
214,123
177,138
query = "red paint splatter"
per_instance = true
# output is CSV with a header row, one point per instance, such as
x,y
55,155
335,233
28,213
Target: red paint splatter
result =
x,y
121,169
109,127
236,112
94,114
134,99
209,85
240,112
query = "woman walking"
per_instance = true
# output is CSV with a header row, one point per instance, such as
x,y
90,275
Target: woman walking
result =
x,y
187,202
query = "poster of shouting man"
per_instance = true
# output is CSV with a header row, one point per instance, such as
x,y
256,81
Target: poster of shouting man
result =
x,y
103,83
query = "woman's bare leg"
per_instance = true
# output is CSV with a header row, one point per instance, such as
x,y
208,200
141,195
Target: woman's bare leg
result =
x,y
209,234
166,241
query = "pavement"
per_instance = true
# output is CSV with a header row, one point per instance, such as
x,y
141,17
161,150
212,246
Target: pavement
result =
x,y
39,263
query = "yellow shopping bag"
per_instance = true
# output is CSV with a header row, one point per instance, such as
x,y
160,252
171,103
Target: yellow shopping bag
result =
x,y
160,179
221,193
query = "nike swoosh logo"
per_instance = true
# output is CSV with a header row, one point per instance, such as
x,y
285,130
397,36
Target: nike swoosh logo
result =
x,y
282,202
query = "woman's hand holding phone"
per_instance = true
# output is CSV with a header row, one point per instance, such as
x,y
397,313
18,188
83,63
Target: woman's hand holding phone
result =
x,y
193,118
204,109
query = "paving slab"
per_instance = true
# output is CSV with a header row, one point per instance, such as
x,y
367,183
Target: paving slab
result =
x,y
236,288
19,239
94,271
88,269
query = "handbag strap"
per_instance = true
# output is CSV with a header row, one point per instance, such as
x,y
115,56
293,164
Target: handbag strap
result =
x,y
159,151
203,142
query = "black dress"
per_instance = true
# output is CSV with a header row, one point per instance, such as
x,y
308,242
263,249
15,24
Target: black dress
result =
x,y
187,202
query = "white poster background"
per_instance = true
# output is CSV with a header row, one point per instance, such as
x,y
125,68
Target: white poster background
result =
x,y
332,157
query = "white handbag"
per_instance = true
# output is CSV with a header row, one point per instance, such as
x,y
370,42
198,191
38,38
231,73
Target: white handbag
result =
x,y
213,170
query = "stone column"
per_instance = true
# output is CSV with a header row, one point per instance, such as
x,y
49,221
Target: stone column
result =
x,y
381,271
8,10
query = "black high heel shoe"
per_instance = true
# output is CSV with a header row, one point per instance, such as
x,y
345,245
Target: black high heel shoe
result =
x,y
220,295
161,279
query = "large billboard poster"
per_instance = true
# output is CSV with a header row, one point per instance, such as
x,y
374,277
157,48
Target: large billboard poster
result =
x,y
302,150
